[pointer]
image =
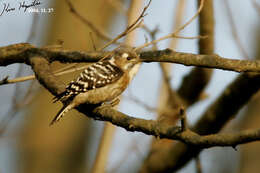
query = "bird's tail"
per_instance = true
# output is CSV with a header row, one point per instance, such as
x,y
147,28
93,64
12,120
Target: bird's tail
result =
x,y
61,113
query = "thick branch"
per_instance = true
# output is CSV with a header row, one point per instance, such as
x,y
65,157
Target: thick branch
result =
x,y
21,53
232,139
157,129
209,61
216,116
43,73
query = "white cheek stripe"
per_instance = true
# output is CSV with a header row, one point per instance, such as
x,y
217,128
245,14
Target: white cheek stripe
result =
x,y
125,55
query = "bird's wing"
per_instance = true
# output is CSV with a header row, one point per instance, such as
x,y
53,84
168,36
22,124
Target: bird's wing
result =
x,y
96,75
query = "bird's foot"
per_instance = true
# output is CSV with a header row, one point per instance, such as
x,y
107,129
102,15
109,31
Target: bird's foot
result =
x,y
112,103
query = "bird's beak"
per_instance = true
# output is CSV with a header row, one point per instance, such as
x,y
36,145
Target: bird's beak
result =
x,y
138,61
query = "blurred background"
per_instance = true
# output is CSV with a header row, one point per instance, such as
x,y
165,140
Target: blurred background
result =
x,y
80,144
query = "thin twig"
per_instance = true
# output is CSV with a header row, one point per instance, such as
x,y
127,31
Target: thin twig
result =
x,y
176,31
59,72
129,28
93,42
139,102
190,38
15,80
152,32
95,29
234,30
178,20
132,149
65,68
28,95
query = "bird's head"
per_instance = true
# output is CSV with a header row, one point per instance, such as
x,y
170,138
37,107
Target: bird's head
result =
x,y
125,58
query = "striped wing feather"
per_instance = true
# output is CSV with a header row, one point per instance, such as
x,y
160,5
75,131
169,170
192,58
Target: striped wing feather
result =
x,y
97,75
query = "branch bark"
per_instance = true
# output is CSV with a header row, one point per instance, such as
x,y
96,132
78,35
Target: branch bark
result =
x,y
21,53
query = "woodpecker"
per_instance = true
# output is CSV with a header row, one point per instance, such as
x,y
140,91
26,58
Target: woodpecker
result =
x,y
100,82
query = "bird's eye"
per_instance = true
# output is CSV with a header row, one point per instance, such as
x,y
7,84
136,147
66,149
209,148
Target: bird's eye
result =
x,y
129,58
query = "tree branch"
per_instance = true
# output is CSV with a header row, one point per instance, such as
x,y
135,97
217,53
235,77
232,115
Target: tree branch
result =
x,y
43,73
157,129
199,60
21,53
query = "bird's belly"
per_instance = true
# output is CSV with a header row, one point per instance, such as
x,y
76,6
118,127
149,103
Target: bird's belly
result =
x,y
102,94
